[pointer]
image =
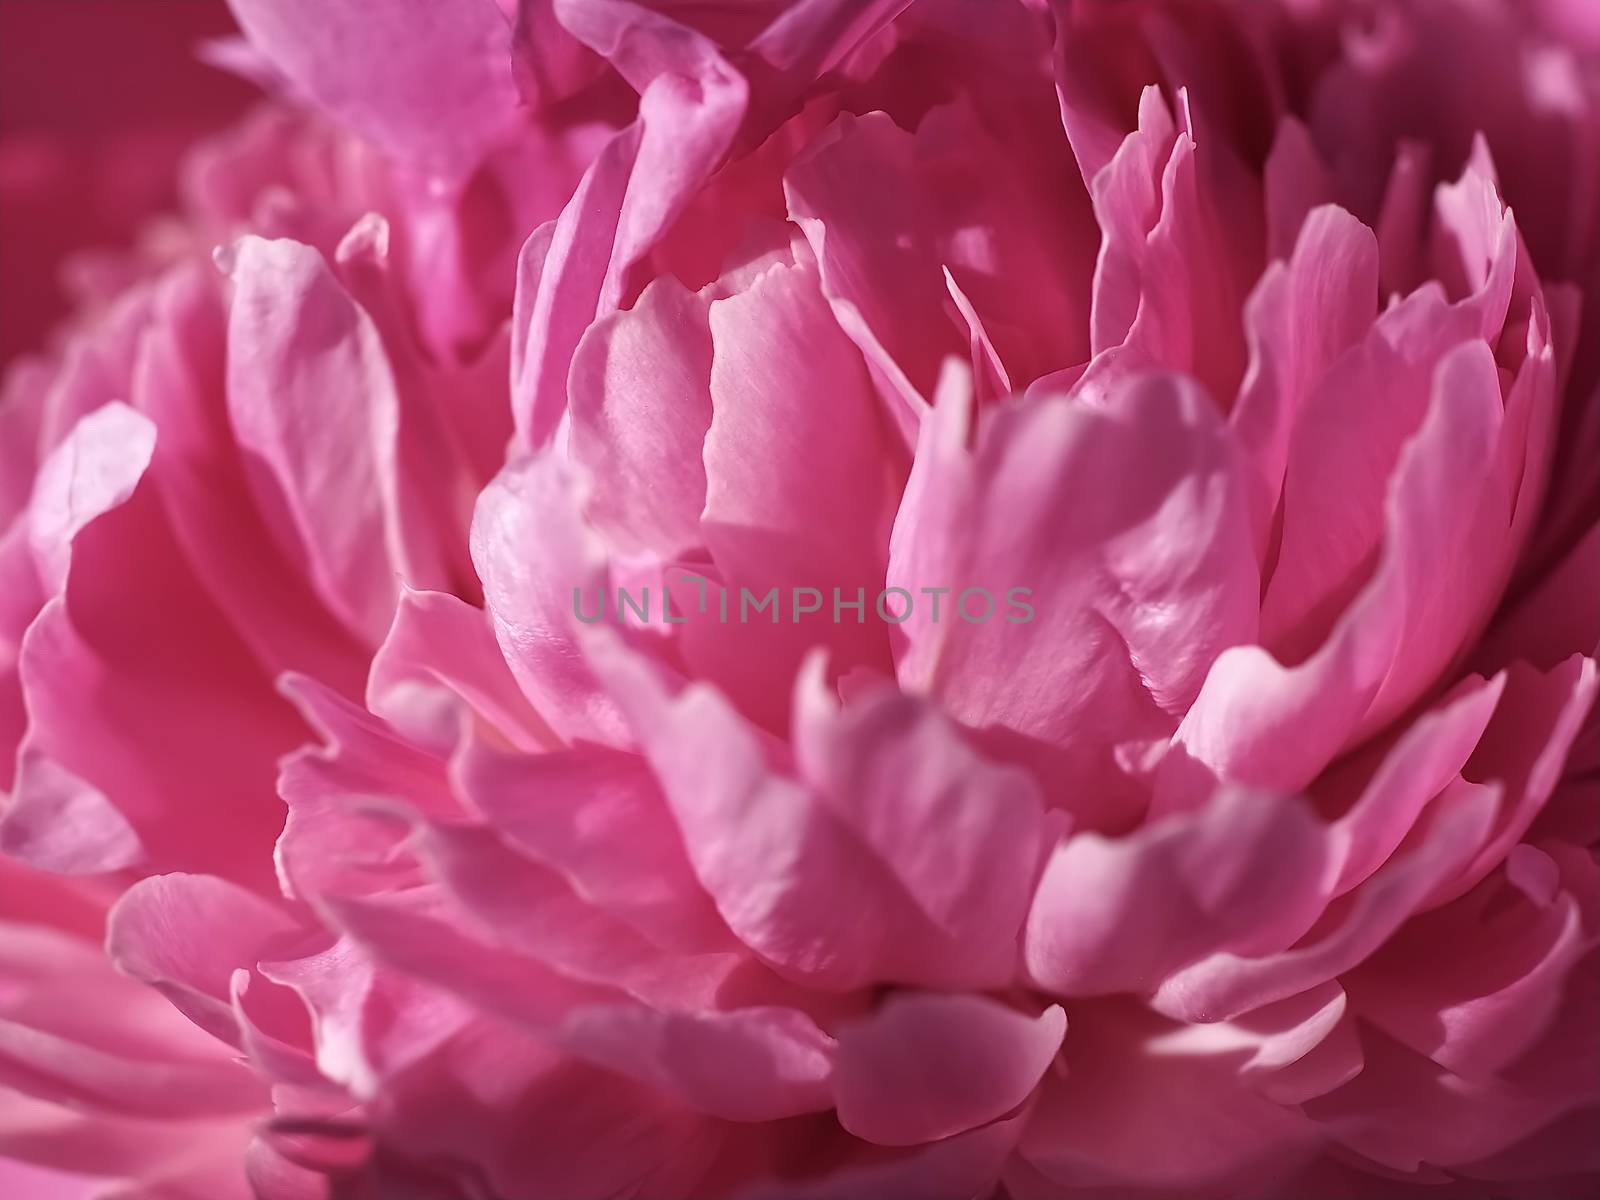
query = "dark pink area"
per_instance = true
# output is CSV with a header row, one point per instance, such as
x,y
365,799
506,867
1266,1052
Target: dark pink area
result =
x,y
98,99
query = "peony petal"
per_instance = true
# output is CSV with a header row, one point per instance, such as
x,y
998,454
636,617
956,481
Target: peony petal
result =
x,y
1182,244
416,687
1475,984
690,106
1250,722
1224,985
1404,778
753,1064
429,83
800,477
1126,521
538,560
950,198
1132,1113
640,396
825,876
98,700
598,817
1522,752
296,339
186,935
180,383
1246,872
925,1066
1300,318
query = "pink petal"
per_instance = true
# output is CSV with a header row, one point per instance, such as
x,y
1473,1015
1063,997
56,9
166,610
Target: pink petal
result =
x,y
691,103
1524,750
535,555
186,935
800,477
98,700
1300,318
1227,984
1251,721
1247,873
826,877
1127,522
1131,1111
417,688
925,1066
640,396
431,85
948,198
1474,985
752,1064
181,386
1403,778
598,817
296,340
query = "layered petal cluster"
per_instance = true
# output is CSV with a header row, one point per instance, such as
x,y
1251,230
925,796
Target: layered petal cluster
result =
x,y
999,602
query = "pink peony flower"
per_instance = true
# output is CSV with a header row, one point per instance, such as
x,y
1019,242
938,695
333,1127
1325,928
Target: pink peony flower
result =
x,y
1028,628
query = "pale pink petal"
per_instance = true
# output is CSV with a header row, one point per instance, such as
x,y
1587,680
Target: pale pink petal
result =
x,y
801,475
1251,722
